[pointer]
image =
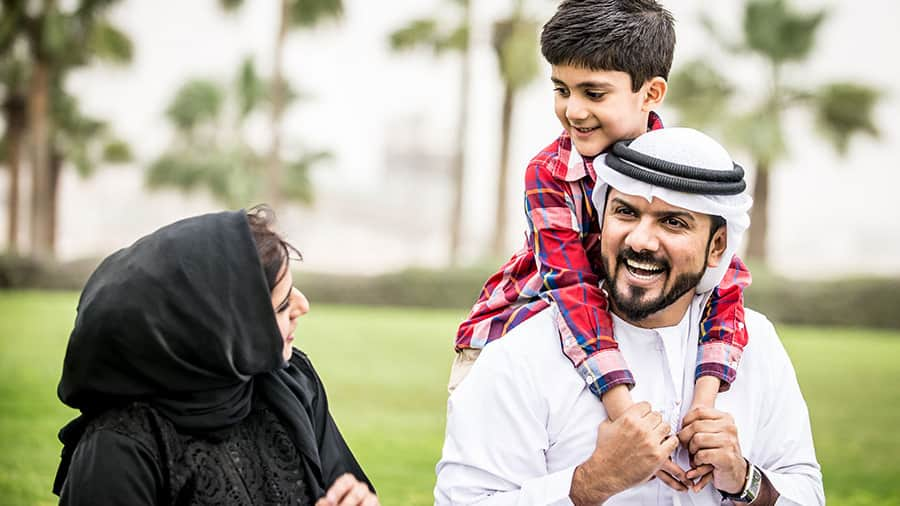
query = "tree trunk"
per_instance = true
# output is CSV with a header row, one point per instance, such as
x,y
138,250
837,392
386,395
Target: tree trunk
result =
x,y
274,172
56,161
14,110
498,248
459,161
759,215
40,125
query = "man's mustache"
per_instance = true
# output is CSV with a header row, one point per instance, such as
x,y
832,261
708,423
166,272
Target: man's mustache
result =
x,y
643,256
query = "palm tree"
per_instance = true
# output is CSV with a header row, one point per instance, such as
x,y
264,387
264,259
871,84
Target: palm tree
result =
x,y
779,36
516,46
210,151
58,40
12,80
83,141
296,14
427,32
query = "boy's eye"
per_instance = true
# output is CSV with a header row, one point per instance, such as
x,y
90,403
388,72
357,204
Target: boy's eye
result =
x,y
595,95
562,91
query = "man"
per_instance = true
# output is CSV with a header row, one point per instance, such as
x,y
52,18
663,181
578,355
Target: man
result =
x,y
523,427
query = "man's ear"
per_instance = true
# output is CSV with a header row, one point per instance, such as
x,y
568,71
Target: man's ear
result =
x,y
717,246
654,93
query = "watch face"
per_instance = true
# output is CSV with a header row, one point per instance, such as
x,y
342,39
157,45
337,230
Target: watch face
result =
x,y
751,487
754,485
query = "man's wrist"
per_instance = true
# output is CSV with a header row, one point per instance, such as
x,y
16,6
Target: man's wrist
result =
x,y
586,488
750,486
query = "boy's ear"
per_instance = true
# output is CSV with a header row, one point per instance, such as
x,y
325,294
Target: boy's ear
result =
x,y
654,93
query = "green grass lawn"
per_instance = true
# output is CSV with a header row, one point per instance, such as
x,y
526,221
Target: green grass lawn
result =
x,y
386,371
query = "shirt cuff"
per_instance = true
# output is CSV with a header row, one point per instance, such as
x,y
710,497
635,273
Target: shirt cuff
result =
x,y
552,489
790,493
720,360
604,370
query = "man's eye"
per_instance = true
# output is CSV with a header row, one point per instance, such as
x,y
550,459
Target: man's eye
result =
x,y
625,211
675,223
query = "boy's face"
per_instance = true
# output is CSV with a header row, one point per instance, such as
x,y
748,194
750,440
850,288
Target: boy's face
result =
x,y
598,107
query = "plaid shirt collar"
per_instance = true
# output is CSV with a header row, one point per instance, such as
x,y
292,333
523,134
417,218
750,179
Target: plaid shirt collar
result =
x,y
571,166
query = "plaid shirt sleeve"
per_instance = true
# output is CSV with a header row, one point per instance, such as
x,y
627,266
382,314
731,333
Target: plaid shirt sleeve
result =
x,y
723,334
585,325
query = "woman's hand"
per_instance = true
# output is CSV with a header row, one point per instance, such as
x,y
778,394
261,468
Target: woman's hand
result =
x,y
348,491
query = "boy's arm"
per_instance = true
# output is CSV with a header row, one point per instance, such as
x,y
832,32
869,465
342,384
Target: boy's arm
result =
x,y
584,322
723,333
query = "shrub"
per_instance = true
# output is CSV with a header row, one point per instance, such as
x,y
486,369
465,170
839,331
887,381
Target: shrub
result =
x,y
863,302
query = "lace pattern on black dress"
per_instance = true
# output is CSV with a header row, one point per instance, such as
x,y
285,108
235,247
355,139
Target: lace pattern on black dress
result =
x,y
253,463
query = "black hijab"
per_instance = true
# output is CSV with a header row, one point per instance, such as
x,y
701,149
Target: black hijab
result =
x,y
183,319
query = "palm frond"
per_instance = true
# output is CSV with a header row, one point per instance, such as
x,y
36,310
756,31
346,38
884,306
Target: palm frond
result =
x,y
843,110
416,33
772,28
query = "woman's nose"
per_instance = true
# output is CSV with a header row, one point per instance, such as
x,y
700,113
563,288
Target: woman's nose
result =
x,y
300,304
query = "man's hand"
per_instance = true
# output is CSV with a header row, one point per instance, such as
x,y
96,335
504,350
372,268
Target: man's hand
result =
x,y
629,451
348,491
711,437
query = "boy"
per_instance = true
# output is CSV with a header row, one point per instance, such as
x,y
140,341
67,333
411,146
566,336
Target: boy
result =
x,y
610,60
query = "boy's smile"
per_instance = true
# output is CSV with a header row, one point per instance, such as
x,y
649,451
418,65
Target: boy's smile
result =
x,y
598,107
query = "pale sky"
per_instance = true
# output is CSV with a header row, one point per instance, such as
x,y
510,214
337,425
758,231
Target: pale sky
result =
x,y
830,216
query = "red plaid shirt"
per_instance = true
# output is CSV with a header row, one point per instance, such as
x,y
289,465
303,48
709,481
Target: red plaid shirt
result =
x,y
559,264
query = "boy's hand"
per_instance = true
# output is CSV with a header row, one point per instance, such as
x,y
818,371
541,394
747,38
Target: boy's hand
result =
x,y
673,475
711,437
705,391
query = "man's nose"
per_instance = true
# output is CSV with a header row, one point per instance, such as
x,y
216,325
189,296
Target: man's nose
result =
x,y
643,237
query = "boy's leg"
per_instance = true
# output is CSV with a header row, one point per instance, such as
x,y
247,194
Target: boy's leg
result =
x,y
462,364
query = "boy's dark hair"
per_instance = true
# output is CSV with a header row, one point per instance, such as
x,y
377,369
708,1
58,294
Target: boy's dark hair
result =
x,y
632,36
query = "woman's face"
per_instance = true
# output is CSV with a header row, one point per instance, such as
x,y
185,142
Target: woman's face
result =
x,y
289,304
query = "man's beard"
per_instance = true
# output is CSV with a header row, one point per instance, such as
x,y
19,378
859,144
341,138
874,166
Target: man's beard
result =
x,y
633,308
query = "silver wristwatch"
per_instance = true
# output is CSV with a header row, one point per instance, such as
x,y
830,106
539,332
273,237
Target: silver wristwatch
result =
x,y
751,486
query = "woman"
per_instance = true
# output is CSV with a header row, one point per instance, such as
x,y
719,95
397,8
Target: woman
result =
x,y
190,391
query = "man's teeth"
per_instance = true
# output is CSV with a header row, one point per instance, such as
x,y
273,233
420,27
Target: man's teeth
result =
x,y
643,266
